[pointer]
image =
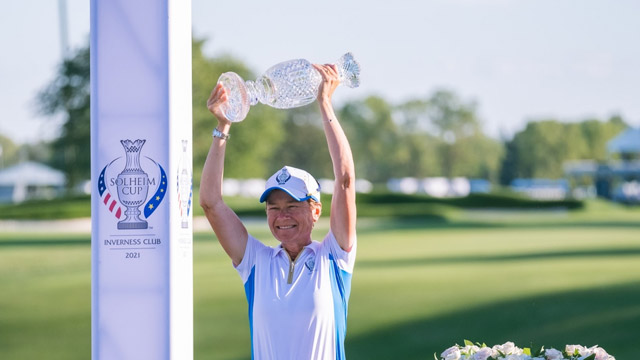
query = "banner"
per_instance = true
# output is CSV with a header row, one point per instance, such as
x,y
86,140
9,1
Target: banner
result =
x,y
142,198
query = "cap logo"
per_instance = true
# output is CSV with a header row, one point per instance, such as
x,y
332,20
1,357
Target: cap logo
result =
x,y
283,177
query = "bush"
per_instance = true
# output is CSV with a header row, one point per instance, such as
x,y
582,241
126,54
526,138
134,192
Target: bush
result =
x,y
473,201
62,208
381,204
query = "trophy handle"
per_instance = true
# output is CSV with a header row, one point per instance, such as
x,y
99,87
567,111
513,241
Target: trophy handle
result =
x,y
348,70
237,105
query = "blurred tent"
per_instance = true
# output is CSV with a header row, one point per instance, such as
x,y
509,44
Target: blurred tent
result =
x,y
541,189
30,180
626,143
615,179
438,187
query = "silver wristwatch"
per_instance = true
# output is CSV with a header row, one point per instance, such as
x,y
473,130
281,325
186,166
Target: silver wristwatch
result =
x,y
219,134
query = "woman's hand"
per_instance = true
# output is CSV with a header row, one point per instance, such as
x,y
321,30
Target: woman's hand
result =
x,y
216,103
329,82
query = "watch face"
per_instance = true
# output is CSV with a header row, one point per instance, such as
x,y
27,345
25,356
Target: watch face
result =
x,y
219,134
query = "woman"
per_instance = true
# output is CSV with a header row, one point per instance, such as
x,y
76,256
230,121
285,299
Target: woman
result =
x,y
297,292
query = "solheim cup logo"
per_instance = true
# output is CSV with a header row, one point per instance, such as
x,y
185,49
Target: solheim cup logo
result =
x,y
132,185
185,190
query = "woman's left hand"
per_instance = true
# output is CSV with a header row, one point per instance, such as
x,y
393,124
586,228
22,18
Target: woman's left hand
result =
x,y
330,81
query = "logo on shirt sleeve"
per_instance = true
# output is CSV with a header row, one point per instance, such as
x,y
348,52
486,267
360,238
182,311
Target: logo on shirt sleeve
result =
x,y
310,264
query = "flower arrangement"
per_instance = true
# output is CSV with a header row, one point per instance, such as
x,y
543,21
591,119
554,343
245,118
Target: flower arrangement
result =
x,y
508,351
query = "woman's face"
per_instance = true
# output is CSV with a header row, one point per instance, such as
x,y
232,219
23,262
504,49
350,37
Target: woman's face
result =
x,y
290,221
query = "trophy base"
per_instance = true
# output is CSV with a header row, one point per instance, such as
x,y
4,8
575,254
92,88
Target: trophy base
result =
x,y
132,225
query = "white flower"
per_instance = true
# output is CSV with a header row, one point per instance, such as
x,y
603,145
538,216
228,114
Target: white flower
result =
x,y
585,352
553,354
571,349
482,354
452,353
601,354
508,348
516,357
509,351
469,349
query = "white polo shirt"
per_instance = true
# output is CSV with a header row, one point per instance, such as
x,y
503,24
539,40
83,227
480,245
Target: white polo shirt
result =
x,y
297,310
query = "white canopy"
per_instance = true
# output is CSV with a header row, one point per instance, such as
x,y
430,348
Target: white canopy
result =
x,y
31,173
626,142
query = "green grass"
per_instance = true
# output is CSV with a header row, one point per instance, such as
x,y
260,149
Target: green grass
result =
x,y
419,286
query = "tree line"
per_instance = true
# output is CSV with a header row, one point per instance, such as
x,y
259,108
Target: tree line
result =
x,y
440,135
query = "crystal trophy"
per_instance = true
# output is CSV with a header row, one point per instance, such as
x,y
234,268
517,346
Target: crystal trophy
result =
x,y
286,85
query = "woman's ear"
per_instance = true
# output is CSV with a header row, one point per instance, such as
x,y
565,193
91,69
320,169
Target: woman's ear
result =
x,y
316,210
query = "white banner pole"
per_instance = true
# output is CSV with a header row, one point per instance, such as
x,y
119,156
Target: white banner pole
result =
x,y
142,250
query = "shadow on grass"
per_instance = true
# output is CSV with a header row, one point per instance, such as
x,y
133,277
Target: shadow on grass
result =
x,y
374,225
607,316
366,225
422,261
31,240
26,240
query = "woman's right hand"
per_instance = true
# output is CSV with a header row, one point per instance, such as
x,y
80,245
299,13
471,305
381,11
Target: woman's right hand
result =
x,y
216,103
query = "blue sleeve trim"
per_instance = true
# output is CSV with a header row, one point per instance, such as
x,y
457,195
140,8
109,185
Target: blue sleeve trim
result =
x,y
249,289
341,289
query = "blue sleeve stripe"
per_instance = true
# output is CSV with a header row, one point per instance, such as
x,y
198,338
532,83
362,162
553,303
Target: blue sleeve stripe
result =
x,y
340,288
249,288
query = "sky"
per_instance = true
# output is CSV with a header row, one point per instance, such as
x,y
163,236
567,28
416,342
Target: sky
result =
x,y
518,60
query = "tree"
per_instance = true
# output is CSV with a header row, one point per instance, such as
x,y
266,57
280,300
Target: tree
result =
x,y
419,145
253,141
543,147
452,138
437,136
547,148
374,137
478,156
596,135
8,152
248,154
304,145
452,119
509,167
69,95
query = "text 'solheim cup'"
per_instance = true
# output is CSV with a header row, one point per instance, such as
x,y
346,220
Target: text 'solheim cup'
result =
x,y
286,85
